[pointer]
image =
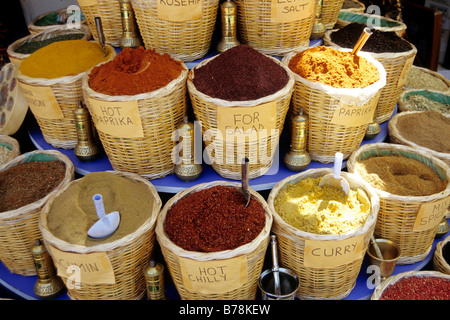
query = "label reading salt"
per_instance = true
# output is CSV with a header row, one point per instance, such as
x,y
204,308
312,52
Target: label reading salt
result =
x,y
331,254
353,116
291,10
117,118
431,214
179,10
42,101
216,276
90,268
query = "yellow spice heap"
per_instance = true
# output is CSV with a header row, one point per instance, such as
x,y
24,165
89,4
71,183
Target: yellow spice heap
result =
x,y
321,210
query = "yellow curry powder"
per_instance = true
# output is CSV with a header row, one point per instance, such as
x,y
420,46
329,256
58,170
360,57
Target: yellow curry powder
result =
x,y
335,68
73,212
322,210
63,58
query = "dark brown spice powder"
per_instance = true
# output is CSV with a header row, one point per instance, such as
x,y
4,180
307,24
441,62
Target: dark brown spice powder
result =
x,y
214,219
28,182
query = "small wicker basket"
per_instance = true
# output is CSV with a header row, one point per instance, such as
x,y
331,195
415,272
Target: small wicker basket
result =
x,y
160,111
127,255
187,40
331,283
19,228
397,66
64,13
260,151
253,253
320,102
439,263
330,12
425,72
403,104
353,6
377,22
12,145
398,214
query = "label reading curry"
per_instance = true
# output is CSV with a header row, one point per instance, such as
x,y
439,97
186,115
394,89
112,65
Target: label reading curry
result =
x,y
179,10
291,10
117,118
42,101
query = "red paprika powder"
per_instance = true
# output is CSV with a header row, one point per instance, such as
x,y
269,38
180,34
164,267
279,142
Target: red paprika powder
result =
x,y
418,288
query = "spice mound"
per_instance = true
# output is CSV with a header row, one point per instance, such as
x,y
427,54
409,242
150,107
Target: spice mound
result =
x,y
421,79
429,129
418,288
322,210
73,212
134,71
418,102
333,67
63,58
214,219
240,74
28,182
28,47
400,175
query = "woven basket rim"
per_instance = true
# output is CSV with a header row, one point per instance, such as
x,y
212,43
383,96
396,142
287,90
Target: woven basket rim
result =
x,y
400,25
69,174
403,104
164,240
6,140
287,89
319,172
433,73
397,147
438,252
109,246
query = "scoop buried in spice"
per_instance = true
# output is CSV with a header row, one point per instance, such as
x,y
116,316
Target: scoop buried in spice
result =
x,y
107,223
244,188
360,43
335,179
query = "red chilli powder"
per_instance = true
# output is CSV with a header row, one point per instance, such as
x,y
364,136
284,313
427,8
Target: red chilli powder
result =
x,y
214,219
418,288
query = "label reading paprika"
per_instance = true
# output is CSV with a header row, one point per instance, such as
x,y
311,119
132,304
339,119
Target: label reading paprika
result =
x,y
353,116
42,101
117,118
331,254
216,276
430,214
179,10
291,10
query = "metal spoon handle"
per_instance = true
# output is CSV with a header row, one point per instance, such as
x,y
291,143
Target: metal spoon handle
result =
x,y
244,173
362,40
100,33
275,268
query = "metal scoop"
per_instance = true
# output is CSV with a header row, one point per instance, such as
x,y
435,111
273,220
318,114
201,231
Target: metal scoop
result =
x,y
244,188
101,35
360,43
275,267
335,178
107,223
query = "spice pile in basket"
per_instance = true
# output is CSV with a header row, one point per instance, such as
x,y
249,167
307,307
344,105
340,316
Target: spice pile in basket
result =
x,y
73,211
28,47
321,210
419,78
214,219
418,102
240,74
400,175
333,67
63,58
134,71
418,288
28,182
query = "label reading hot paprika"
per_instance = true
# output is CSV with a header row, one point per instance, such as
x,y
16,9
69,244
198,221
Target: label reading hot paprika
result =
x,y
179,10
291,10
431,214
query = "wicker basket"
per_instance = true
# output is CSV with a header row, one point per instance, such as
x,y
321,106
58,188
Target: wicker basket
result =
x,y
428,72
19,228
439,263
356,6
127,255
403,104
61,132
378,292
160,111
65,13
259,151
256,28
398,214
377,22
321,282
14,147
320,103
397,65
253,253
330,12
187,40
16,57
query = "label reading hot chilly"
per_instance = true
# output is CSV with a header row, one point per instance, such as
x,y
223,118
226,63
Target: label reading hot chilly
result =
x,y
291,10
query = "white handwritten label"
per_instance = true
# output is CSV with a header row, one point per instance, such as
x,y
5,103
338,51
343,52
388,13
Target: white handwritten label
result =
x,y
42,101
179,10
353,116
291,10
431,214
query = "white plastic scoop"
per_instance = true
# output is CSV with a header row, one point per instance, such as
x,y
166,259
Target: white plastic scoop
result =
x,y
107,223
335,178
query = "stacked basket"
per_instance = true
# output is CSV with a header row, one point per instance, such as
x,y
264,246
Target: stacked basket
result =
x,y
330,12
12,145
439,262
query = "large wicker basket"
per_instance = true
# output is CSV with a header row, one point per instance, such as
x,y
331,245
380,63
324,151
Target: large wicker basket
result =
x,y
12,145
377,22
321,282
397,65
426,73
439,262
398,214
184,38
160,112
127,255
259,151
320,102
253,253
330,12
60,132
19,228
257,29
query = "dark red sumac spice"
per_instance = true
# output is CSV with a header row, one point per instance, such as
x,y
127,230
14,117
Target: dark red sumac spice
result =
x,y
418,288
28,182
214,219
240,74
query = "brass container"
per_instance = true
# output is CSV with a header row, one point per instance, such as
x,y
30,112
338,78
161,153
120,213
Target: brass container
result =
x,y
373,128
228,11
186,169
86,148
130,37
154,277
318,30
297,158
